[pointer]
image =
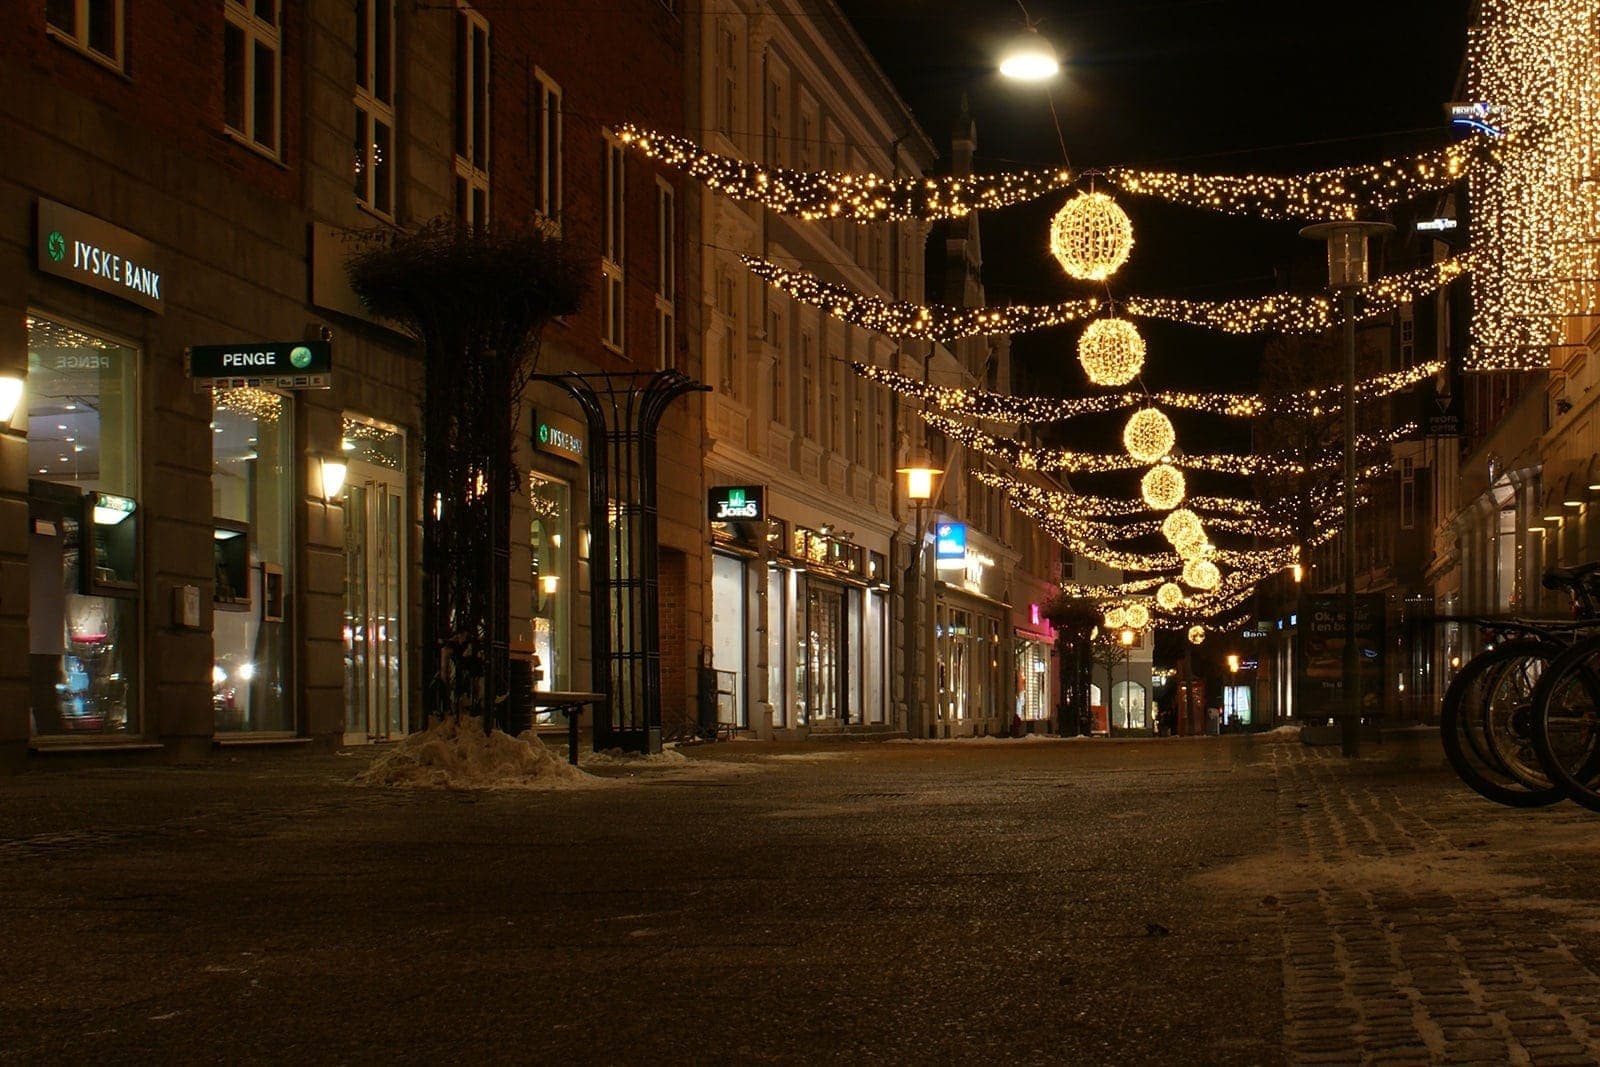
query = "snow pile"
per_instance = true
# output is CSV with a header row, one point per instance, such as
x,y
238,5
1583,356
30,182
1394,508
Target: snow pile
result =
x,y
456,754
1282,735
619,757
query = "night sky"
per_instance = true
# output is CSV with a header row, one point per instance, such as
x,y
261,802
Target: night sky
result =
x,y
1269,86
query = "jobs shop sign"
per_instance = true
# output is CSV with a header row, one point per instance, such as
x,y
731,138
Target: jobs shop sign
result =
x,y
92,252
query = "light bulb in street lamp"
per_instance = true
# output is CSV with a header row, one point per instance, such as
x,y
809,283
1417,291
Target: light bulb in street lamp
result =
x,y
1028,57
1347,249
920,473
1233,662
1127,637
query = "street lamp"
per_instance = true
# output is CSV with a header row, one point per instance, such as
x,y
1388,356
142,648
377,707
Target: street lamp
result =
x,y
921,479
1347,274
1028,57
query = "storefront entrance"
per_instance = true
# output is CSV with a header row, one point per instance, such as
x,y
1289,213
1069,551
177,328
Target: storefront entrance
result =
x,y
375,560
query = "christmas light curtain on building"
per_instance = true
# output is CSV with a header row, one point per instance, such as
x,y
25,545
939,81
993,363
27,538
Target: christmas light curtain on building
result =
x,y
1531,64
852,197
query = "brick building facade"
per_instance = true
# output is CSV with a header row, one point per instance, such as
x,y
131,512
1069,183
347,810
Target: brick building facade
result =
x,y
173,575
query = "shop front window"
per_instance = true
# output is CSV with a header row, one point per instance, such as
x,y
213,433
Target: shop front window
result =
x,y
1128,706
83,544
728,636
1033,680
550,543
822,652
252,499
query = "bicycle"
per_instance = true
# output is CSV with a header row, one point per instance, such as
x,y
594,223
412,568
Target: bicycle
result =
x,y
1566,701
1488,720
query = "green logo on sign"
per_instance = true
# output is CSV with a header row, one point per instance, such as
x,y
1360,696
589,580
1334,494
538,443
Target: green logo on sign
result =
x,y
736,498
544,434
56,245
300,356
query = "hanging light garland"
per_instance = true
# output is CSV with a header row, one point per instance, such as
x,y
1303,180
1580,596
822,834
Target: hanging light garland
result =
x,y
831,195
941,323
1091,237
1111,351
1342,193
1148,435
1108,592
1163,487
1291,313
980,404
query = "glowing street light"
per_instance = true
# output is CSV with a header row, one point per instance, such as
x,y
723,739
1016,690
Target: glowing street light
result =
x,y
1028,57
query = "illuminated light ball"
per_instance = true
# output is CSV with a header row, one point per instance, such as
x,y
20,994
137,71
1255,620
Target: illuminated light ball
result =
x,y
1137,616
1201,574
1169,596
1111,352
1148,436
1091,237
1116,618
1163,487
1182,525
1197,635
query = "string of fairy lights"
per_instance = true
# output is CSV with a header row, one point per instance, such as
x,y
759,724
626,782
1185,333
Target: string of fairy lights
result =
x,y
1287,313
1343,193
1001,407
836,195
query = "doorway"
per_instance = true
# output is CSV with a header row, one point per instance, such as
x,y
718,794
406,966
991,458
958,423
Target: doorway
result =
x,y
375,566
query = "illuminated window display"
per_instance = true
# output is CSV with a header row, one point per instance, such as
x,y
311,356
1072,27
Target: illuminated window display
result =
x,y
252,497
375,529
1033,680
83,546
550,545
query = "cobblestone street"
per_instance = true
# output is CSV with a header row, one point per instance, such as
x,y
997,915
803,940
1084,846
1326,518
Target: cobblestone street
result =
x,y
1202,901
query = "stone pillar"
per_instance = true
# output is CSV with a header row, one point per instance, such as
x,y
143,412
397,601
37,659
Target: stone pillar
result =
x,y
13,550
319,575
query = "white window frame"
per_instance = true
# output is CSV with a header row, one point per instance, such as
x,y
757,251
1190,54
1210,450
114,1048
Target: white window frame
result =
x,y
548,186
78,37
613,245
468,173
371,106
666,273
257,31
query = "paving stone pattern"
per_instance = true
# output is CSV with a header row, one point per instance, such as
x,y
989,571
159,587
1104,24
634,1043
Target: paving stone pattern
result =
x,y
1398,973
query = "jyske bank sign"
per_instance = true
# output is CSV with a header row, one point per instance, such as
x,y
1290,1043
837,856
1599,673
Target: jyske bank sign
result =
x,y
92,252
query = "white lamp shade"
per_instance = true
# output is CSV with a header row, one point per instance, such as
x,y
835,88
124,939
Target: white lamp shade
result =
x,y
332,470
1028,57
10,396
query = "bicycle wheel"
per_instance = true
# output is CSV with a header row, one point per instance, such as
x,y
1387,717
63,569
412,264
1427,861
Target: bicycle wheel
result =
x,y
1566,722
1486,707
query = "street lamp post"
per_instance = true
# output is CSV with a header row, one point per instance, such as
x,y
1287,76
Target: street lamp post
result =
x,y
921,475
1347,274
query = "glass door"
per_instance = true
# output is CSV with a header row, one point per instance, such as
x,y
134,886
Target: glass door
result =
x,y
374,646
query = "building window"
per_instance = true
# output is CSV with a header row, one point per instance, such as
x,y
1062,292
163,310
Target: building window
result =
x,y
666,275
94,26
777,133
728,73
251,49
727,302
83,532
808,387
547,148
252,490
613,246
780,367
835,403
472,117
375,105
884,433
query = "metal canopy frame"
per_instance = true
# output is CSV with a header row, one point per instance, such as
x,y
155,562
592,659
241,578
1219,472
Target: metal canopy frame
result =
x,y
623,412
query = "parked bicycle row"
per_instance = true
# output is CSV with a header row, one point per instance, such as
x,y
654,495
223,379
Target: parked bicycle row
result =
x,y
1521,721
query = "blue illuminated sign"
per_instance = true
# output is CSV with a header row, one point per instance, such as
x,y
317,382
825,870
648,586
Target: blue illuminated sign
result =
x,y
950,541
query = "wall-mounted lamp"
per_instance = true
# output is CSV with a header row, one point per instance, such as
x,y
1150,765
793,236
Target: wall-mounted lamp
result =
x,y
332,469
10,396
1298,571
549,583
1233,662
